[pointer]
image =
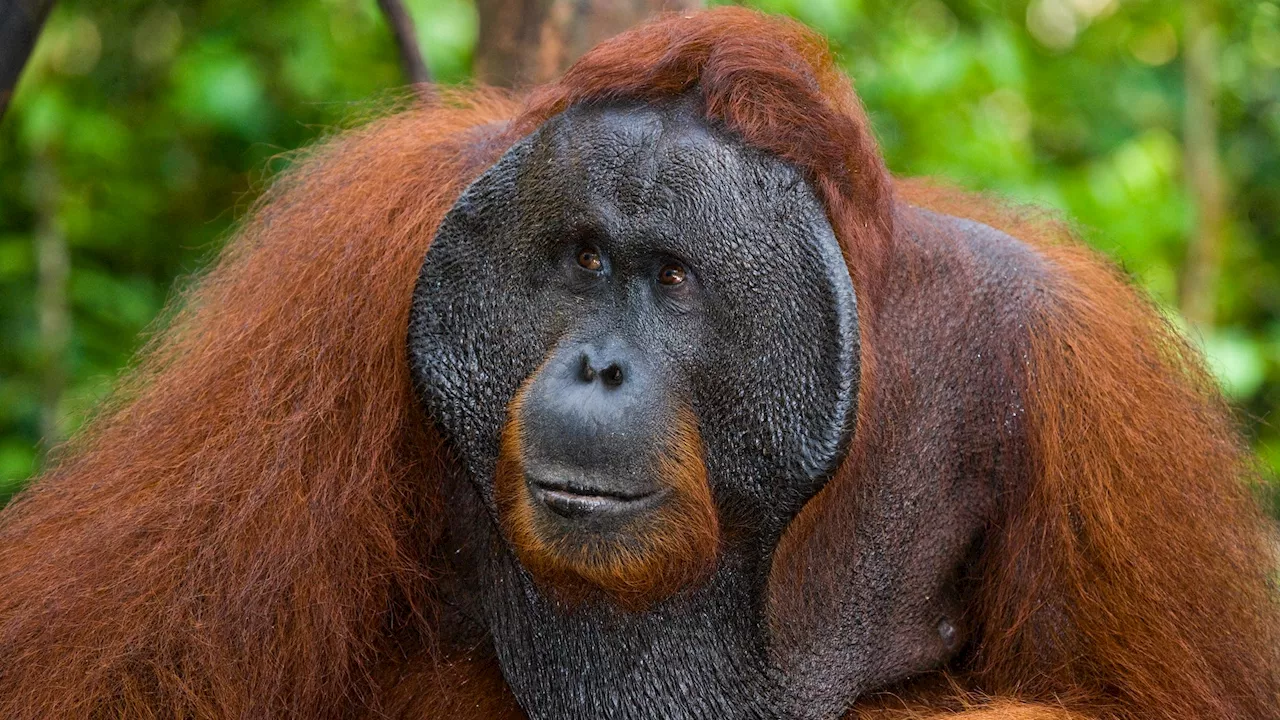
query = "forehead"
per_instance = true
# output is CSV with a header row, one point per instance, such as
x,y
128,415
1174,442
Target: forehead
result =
x,y
659,173
652,146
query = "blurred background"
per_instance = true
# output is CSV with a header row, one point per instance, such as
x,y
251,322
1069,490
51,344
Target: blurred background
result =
x,y
141,131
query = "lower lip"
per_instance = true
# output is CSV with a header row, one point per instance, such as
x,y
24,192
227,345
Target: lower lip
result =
x,y
576,505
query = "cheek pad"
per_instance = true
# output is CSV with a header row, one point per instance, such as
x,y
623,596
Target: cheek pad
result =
x,y
473,332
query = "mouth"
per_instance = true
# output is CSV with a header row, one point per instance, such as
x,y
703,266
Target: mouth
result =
x,y
576,500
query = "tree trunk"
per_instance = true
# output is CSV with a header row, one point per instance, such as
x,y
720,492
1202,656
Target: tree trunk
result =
x,y
20,23
412,61
54,262
528,42
1205,179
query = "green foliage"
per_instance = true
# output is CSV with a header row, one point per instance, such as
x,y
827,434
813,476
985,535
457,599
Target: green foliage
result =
x,y
141,130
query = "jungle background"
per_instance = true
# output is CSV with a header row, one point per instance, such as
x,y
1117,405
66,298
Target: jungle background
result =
x,y
141,131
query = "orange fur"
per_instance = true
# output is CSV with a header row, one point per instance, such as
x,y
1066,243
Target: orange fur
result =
x,y
254,517
228,536
998,710
1136,568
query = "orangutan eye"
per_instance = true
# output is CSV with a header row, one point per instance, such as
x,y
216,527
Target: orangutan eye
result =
x,y
589,259
671,274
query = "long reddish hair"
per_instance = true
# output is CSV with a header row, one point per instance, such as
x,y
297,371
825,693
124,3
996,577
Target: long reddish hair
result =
x,y
228,536
239,532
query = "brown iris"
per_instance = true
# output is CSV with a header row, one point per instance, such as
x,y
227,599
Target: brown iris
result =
x,y
589,258
671,274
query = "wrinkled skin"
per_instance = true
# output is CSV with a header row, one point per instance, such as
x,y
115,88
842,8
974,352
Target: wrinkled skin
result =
x,y
759,341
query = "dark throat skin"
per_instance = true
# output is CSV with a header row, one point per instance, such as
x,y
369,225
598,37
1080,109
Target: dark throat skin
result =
x,y
699,654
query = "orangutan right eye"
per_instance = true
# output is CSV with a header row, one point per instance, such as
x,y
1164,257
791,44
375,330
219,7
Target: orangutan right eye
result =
x,y
589,259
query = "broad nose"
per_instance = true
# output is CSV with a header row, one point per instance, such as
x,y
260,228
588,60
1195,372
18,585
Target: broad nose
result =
x,y
592,394
589,422
607,367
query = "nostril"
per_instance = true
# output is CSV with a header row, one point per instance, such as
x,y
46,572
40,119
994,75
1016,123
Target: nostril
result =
x,y
612,375
585,371
589,368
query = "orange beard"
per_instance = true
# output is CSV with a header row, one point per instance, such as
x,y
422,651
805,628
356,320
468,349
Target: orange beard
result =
x,y
651,557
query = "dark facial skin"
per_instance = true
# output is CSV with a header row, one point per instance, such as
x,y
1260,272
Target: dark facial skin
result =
x,y
595,411
623,270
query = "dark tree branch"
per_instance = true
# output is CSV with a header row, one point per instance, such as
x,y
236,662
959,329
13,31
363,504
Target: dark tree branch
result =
x,y
411,58
20,23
